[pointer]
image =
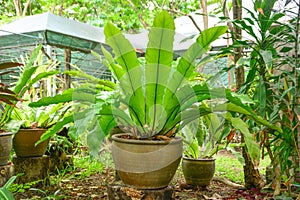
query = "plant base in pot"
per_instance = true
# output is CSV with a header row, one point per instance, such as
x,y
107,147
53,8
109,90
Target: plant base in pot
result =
x,y
5,147
146,164
198,171
24,143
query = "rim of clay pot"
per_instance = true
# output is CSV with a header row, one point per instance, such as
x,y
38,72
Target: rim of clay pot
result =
x,y
116,137
200,159
32,129
5,133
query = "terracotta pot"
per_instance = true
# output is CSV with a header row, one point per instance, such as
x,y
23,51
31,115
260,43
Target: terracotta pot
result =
x,y
5,147
198,171
24,143
146,164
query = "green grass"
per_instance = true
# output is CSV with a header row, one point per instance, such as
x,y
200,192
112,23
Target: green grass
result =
x,y
231,167
87,166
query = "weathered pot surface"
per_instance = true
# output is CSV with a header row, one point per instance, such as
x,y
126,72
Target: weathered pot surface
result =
x,y
5,147
24,143
146,164
198,171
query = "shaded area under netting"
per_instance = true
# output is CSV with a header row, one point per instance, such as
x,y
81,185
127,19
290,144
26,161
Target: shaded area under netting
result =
x,y
56,33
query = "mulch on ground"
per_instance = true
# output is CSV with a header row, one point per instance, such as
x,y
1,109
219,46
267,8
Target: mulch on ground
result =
x,y
95,187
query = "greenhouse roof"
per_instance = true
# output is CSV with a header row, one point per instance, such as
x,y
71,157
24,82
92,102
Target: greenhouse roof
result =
x,y
53,30
140,41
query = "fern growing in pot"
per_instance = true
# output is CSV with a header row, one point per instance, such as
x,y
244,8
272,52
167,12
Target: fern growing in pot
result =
x,y
152,102
29,124
12,118
10,96
207,135
155,99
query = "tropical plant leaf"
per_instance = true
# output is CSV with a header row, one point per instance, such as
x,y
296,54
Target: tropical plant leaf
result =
x,y
260,96
55,128
29,69
66,96
7,65
116,69
126,57
159,56
5,194
186,65
103,84
8,98
231,107
252,146
36,79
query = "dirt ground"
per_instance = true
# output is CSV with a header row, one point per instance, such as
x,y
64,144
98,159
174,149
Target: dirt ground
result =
x,y
95,187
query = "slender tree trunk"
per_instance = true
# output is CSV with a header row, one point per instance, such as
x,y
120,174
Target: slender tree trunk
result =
x,y
18,7
67,79
251,175
205,13
237,15
26,8
230,28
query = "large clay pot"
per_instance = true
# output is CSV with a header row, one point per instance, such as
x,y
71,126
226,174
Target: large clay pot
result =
x,y
5,147
146,164
198,171
24,143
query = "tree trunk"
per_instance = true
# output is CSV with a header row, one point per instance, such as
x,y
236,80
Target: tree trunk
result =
x,y
18,7
205,14
237,15
26,8
251,175
67,78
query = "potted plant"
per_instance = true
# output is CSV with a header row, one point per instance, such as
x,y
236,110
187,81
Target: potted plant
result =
x,y
152,102
29,124
198,163
203,138
32,72
156,98
213,132
8,99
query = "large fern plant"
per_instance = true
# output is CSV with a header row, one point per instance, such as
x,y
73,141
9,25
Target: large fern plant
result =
x,y
156,98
